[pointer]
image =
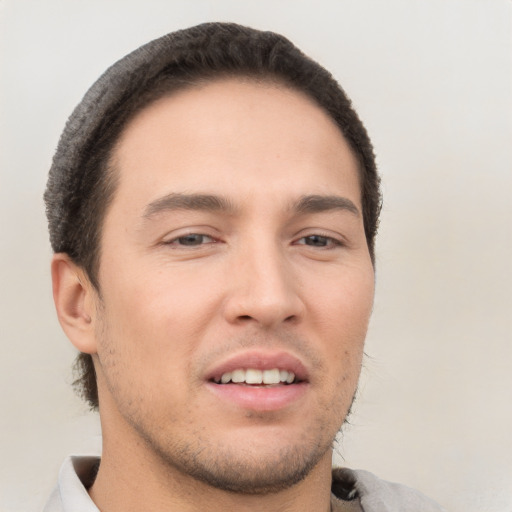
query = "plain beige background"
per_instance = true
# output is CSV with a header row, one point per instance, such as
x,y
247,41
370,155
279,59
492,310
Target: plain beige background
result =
x,y
432,79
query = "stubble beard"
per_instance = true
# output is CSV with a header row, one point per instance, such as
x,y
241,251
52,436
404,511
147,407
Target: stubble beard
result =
x,y
247,470
232,468
226,469
235,468
244,470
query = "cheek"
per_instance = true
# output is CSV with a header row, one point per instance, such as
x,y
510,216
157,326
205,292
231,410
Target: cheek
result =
x,y
156,320
341,313
343,303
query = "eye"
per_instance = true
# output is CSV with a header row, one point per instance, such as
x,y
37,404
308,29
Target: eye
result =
x,y
321,241
191,240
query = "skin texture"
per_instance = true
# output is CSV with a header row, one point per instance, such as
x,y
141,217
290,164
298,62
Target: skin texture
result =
x,y
188,284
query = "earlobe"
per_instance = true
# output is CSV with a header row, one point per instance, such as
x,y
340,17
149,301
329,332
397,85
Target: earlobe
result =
x,y
74,298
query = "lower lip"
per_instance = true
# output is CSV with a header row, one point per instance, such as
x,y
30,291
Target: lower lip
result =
x,y
259,398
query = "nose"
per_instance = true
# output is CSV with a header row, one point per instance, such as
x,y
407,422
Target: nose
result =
x,y
264,290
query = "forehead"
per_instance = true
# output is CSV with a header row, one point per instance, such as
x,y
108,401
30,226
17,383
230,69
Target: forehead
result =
x,y
232,134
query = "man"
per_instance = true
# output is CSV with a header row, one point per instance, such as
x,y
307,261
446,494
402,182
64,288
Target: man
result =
x,y
213,205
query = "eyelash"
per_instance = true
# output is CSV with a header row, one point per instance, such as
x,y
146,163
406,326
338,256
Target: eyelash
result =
x,y
176,241
329,241
326,242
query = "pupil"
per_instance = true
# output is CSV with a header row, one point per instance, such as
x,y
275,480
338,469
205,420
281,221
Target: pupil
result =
x,y
191,239
316,240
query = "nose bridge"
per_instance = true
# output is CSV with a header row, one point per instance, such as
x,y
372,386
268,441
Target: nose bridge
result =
x,y
264,289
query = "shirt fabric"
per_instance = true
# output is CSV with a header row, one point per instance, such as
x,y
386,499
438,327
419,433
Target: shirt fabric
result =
x,y
352,491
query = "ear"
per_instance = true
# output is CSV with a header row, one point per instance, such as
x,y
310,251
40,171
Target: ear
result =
x,y
75,299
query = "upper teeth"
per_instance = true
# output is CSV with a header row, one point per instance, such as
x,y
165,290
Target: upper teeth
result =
x,y
253,376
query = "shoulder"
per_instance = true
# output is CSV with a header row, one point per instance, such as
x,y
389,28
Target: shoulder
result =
x,y
70,493
376,495
54,503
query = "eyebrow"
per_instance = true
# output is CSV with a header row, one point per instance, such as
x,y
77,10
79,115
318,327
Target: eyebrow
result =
x,y
208,202
201,202
320,203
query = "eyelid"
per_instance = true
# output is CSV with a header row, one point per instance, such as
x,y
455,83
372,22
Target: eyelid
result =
x,y
174,239
331,242
336,239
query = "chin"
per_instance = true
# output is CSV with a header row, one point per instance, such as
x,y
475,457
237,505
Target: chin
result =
x,y
260,463
252,473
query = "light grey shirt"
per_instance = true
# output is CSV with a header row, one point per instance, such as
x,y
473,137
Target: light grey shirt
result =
x,y
353,491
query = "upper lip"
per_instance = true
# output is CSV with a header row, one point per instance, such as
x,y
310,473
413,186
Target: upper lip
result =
x,y
260,360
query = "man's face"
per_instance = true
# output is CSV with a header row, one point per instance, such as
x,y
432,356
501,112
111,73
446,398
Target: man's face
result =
x,y
234,250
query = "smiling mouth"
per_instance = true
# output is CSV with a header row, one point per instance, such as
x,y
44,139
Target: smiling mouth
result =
x,y
255,377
